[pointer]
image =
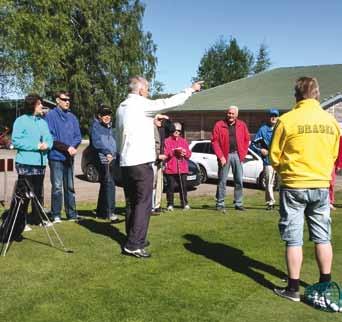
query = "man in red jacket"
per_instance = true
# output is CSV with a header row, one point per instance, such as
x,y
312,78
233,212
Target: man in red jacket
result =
x,y
230,141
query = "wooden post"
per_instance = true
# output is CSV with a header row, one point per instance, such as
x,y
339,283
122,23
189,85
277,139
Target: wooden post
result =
x,y
6,165
202,126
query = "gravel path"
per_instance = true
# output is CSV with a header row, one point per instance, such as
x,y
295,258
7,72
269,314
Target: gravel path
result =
x,y
87,191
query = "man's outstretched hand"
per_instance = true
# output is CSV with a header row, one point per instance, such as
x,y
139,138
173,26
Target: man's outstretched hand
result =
x,y
197,86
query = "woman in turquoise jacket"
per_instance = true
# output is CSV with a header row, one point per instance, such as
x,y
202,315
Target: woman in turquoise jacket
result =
x,y
32,139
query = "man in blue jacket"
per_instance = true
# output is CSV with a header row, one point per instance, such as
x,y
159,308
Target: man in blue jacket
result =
x,y
260,144
102,140
66,134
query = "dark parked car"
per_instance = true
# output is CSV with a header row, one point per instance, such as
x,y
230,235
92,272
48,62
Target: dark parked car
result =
x,y
90,165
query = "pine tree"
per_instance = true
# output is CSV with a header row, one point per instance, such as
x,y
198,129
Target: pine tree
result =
x,y
224,62
263,62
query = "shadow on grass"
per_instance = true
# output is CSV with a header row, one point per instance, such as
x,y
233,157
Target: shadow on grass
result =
x,y
231,208
234,259
105,229
56,245
92,213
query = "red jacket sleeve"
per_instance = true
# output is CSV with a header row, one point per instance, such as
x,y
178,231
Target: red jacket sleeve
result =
x,y
186,147
215,141
338,162
168,149
246,140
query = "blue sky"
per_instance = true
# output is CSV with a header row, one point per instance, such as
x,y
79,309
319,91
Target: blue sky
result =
x,y
298,33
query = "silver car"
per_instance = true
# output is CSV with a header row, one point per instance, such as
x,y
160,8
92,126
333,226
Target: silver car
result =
x,y
203,154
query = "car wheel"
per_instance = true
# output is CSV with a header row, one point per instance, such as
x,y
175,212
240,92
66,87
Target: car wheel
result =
x,y
91,173
203,174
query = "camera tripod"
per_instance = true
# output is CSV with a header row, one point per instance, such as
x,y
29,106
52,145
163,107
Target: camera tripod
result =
x,y
14,220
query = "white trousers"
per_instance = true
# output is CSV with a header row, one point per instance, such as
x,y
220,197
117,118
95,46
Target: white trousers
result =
x,y
269,183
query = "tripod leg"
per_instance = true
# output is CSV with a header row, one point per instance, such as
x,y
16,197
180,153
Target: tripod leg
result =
x,y
12,228
43,213
45,228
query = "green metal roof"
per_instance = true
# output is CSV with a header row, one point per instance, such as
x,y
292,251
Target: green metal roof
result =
x,y
14,103
274,88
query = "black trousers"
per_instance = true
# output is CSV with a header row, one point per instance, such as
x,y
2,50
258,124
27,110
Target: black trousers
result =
x,y
106,199
172,179
138,186
37,183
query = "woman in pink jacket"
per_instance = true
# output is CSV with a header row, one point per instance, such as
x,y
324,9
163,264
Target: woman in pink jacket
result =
x,y
176,168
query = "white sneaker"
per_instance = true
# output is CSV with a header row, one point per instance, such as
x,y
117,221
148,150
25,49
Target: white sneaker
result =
x,y
27,228
187,207
113,217
170,208
57,220
46,223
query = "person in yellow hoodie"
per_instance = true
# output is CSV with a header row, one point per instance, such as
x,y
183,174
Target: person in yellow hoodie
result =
x,y
303,151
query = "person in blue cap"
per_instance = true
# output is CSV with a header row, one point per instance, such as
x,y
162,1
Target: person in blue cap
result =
x,y
260,145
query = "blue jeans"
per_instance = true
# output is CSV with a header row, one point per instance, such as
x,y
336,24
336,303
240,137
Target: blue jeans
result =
x,y
62,180
295,204
235,163
106,200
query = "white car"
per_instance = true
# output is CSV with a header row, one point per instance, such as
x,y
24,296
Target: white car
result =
x,y
204,156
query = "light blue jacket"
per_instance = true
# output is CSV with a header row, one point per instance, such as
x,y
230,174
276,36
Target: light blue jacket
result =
x,y
28,132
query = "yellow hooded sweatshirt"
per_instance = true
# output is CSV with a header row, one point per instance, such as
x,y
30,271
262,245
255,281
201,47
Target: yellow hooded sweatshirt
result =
x,y
305,146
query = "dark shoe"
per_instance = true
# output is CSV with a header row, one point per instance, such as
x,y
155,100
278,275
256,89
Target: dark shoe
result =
x,y
139,253
154,213
221,209
159,210
240,208
270,207
290,295
75,218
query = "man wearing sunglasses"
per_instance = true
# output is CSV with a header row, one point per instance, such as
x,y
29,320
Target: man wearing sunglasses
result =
x,y
66,133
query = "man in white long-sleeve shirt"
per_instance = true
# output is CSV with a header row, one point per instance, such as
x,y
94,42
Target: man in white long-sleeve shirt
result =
x,y
135,142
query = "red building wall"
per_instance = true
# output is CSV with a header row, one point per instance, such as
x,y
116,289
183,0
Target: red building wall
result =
x,y
198,125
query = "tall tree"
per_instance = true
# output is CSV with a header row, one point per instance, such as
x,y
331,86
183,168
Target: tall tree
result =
x,y
156,89
263,61
90,47
224,62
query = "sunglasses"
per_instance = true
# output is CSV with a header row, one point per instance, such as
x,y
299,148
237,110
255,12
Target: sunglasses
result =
x,y
64,99
178,131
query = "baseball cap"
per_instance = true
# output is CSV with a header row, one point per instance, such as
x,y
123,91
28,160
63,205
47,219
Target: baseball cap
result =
x,y
273,111
104,110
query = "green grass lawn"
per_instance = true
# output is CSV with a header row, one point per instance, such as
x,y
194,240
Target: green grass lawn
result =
x,y
205,266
